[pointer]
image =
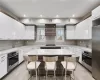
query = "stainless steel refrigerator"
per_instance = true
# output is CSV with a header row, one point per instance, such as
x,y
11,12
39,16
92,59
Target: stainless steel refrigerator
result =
x,y
96,49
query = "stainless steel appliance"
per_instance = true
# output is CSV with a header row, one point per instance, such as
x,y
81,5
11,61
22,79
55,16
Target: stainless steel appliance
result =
x,y
87,60
50,29
13,60
96,49
50,45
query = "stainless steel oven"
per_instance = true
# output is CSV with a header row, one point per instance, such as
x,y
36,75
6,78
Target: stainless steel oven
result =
x,y
13,60
87,60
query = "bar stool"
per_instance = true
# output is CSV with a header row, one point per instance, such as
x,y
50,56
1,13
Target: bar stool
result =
x,y
50,64
32,64
69,64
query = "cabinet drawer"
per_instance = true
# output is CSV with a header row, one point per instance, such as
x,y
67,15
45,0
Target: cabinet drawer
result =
x,y
2,58
3,65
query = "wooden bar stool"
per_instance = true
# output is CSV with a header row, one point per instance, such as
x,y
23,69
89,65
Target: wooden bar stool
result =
x,y
69,64
32,63
50,64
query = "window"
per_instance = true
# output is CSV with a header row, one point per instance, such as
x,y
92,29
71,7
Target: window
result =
x,y
60,34
40,34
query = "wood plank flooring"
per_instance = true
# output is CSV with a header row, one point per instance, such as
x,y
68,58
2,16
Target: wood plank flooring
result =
x,y
21,73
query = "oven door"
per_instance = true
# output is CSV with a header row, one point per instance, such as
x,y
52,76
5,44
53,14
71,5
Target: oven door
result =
x,y
12,60
87,59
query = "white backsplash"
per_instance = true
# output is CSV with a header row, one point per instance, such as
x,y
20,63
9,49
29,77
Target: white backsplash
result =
x,y
69,42
8,44
85,43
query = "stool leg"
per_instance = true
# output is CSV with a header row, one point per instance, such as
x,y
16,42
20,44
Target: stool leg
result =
x,y
36,74
54,74
30,77
62,73
73,75
70,77
65,74
46,74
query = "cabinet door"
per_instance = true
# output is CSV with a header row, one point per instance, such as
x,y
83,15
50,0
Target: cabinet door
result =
x,y
21,56
5,26
82,30
19,30
90,28
3,65
10,28
96,13
29,32
70,32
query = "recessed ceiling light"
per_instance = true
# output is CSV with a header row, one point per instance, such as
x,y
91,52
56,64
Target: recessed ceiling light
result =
x,y
34,0
73,15
57,16
24,15
41,16
62,0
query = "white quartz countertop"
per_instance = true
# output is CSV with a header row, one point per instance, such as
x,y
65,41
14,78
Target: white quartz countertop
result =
x,y
50,52
8,51
30,47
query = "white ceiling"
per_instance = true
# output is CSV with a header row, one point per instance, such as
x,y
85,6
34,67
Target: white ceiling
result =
x,y
50,8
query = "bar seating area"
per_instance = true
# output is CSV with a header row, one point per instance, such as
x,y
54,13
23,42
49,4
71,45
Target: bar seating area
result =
x,y
51,66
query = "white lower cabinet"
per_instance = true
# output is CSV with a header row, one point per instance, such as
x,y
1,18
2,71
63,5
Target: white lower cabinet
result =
x,y
3,65
21,56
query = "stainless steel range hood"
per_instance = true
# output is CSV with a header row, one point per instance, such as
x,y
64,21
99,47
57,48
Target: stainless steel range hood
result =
x,y
50,33
50,29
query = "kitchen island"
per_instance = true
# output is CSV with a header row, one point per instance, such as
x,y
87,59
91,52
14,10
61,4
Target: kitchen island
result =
x,y
50,52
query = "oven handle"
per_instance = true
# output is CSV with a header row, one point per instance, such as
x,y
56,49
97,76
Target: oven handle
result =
x,y
86,56
12,56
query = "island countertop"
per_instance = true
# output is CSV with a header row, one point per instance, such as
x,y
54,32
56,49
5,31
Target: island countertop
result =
x,y
50,52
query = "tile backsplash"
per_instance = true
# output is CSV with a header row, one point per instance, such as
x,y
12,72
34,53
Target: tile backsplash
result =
x,y
84,43
67,42
8,44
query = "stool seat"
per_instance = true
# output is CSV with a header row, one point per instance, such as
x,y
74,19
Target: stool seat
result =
x,y
31,65
50,65
70,65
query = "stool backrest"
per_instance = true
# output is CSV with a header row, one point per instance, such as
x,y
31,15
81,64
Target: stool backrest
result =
x,y
26,58
50,59
71,59
33,58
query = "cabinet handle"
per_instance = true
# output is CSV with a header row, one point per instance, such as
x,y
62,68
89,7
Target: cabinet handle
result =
x,y
2,57
2,60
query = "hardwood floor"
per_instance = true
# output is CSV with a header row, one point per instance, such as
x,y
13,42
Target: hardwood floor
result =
x,y
21,73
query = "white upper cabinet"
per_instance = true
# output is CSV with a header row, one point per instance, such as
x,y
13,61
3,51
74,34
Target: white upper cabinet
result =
x,y
90,27
29,32
19,30
83,30
10,29
70,32
96,13
5,26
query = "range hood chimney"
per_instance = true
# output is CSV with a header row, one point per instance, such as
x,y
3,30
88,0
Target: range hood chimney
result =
x,y
50,29
50,33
